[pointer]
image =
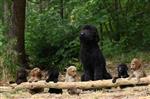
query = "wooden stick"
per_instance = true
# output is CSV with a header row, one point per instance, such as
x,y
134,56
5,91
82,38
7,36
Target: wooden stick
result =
x,y
83,85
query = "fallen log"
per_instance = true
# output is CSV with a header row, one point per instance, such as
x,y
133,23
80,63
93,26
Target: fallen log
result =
x,y
5,89
83,85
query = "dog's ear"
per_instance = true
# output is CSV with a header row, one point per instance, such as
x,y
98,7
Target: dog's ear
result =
x,y
97,38
96,34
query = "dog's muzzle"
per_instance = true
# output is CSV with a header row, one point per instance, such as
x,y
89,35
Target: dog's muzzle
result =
x,y
82,34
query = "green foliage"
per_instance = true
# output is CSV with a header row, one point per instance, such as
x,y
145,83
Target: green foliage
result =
x,y
8,60
50,40
124,26
8,57
53,40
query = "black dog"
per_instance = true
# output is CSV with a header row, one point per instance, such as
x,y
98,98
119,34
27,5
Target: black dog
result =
x,y
21,75
53,76
91,56
122,72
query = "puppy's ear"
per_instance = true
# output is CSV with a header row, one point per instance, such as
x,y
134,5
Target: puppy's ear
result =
x,y
69,72
96,35
139,64
126,68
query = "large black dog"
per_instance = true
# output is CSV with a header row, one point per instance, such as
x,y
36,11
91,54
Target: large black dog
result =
x,y
91,56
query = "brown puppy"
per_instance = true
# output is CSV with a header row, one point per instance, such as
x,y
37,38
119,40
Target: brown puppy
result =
x,y
71,76
137,69
34,76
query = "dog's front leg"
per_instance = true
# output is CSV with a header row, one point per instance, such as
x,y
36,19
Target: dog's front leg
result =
x,y
88,76
98,74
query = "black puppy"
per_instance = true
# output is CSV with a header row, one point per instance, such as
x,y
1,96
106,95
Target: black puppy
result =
x,y
91,56
21,75
122,72
53,76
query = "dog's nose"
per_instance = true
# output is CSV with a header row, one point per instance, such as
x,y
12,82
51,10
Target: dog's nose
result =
x,y
82,34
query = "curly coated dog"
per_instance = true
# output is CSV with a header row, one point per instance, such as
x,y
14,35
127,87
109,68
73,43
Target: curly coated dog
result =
x,y
91,56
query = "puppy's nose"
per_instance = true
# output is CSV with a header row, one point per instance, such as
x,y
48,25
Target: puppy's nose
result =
x,y
132,68
75,75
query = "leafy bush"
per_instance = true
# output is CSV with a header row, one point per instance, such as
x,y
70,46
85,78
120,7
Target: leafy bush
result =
x,y
53,41
8,60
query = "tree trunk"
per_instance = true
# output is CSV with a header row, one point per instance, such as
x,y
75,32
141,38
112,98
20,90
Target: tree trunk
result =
x,y
18,28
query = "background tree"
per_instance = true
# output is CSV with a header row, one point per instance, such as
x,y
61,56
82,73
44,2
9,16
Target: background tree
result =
x,y
18,28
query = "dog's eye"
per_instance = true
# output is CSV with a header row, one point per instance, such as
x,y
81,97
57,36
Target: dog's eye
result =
x,y
132,64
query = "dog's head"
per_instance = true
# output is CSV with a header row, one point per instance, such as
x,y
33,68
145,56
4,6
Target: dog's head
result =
x,y
122,69
88,34
135,64
72,71
36,72
22,73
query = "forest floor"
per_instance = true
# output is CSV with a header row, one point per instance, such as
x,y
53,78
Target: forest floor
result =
x,y
142,92
136,92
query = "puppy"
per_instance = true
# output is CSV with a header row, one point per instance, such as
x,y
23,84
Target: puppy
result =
x,y
71,76
34,76
137,69
21,75
53,76
122,72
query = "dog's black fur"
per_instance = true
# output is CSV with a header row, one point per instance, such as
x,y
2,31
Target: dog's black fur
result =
x,y
91,56
21,75
53,76
122,70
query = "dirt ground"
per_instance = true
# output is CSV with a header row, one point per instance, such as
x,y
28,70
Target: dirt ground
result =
x,y
136,92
